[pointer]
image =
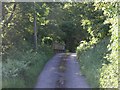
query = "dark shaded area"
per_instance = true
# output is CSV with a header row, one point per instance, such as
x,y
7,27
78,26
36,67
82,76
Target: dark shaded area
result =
x,y
62,22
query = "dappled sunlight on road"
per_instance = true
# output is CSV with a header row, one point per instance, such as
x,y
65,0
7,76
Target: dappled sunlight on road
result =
x,y
73,55
62,71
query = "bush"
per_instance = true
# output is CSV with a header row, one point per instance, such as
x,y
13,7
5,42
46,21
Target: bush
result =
x,y
109,73
23,68
99,63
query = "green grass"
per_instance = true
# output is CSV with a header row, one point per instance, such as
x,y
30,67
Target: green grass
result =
x,y
28,68
13,83
99,71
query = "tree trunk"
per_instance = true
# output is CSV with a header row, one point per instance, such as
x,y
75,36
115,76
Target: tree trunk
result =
x,y
35,29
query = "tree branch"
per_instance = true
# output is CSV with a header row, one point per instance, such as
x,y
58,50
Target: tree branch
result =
x,y
11,16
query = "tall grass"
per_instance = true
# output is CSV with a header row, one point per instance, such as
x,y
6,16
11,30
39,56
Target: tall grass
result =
x,y
21,70
96,66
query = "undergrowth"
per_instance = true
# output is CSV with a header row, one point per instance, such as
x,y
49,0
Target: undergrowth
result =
x,y
99,60
100,69
21,69
99,63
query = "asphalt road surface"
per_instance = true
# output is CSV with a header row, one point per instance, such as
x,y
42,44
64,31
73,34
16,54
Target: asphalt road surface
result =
x,y
62,71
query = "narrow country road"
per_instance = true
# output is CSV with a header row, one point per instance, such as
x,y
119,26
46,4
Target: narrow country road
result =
x,y
62,71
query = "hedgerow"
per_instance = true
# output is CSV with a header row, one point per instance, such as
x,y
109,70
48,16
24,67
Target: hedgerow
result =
x,y
99,61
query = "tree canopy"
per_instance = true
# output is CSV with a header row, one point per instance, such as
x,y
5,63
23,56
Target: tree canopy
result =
x,y
65,22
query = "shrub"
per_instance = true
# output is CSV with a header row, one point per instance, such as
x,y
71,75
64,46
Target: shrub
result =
x,y
91,61
99,63
22,69
100,70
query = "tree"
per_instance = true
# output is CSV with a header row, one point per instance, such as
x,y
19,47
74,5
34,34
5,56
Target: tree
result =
x,y
35,29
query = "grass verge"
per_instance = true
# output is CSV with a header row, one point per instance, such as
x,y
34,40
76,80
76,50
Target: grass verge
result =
x,y
98,65
22,70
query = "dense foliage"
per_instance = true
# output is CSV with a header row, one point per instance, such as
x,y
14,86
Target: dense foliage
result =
x,y
99,61
21,63
23,68
30,29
